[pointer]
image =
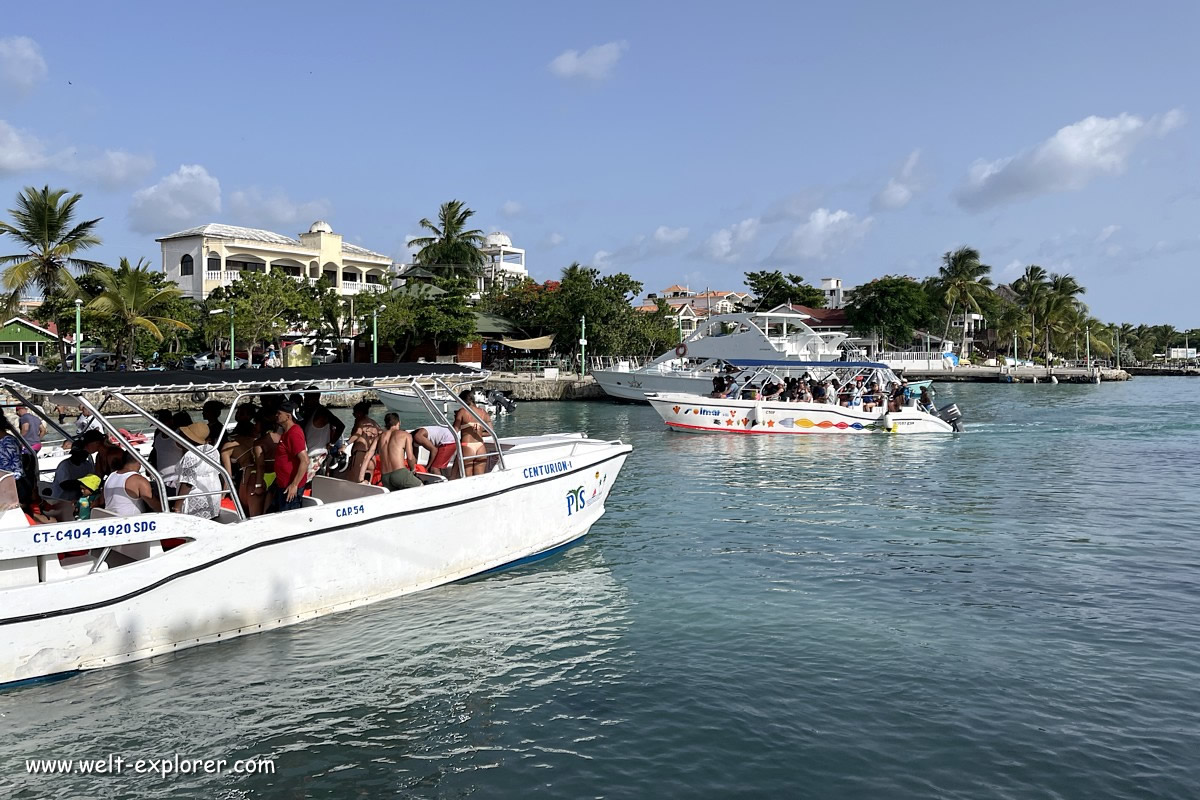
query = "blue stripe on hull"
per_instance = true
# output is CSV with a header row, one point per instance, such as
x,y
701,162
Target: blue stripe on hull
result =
x,y
553,551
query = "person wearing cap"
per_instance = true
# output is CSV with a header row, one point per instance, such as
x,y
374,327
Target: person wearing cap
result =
x,y
126,491
59,500
291,459
199,480
88,486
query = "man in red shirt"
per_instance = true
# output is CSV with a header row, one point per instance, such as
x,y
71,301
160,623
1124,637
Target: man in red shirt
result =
x,y
291,460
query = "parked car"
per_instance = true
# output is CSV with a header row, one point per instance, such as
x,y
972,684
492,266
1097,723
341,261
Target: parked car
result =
x,y
98,362
14,364
211,360
325,355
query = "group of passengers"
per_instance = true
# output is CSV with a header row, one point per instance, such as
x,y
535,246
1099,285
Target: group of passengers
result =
x,y
271,451
857,393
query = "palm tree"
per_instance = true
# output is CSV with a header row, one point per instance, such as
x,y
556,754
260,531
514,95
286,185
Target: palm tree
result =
x,y
450,244
130,296
1031,289
963,279
43,225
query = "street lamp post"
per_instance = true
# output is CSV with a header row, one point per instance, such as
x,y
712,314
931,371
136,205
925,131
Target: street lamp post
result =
x,y
375,333
78,309
582,347
228,311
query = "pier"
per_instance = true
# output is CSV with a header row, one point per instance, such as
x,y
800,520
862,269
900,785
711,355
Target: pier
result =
x,y
982,374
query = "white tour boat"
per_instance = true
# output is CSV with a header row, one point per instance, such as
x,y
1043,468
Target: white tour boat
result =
x,y
91,593
407,402
745,414
781,337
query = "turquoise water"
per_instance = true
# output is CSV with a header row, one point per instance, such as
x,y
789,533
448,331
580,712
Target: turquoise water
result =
x,y
1010,613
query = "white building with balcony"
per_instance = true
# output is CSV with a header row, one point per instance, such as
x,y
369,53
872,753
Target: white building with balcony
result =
x,y
836,295
504,264
201,259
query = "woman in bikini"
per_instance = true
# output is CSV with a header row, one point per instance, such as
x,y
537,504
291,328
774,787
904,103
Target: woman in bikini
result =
x,y
471,434
259,477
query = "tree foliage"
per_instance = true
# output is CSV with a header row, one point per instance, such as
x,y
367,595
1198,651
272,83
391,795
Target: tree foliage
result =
x,y
450,244
891,307
265,306
137,300
614,327
771,289
43,226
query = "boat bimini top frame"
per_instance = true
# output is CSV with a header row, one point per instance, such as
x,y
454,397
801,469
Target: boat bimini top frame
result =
x,y
69,388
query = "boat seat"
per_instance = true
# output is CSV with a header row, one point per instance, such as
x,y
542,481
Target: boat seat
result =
x,y
226,516
308,501
102,513
335,490
428,478
52,568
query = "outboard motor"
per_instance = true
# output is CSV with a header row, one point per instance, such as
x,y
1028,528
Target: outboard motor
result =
x,y
950,414
501,401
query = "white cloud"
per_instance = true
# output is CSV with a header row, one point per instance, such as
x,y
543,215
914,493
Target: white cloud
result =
x,y
554,240
595,63
113,169
274,209
663,241
21,64
795,206
20,151
188,196
900,189
824,234
665,235
1106,233
1012,270
1066,161
511,208
729,245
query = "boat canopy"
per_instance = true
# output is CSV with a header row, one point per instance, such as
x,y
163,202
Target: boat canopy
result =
x,y
330,377
771,362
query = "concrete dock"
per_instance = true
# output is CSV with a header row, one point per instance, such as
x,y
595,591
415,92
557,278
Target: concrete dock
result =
x,y
981,374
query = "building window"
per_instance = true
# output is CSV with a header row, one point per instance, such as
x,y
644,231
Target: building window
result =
x,y
186,267
214,264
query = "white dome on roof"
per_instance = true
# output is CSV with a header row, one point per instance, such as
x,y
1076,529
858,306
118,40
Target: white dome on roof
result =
x,y
498,239
320,226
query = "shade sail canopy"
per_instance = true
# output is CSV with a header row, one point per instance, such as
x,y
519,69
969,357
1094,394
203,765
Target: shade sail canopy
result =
x,y
325,378
539,343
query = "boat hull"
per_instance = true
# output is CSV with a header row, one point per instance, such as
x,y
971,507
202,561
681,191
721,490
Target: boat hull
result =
x,y
693,413
633,386
269,572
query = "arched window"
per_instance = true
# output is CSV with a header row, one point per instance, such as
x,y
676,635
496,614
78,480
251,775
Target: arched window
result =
x,y
186,267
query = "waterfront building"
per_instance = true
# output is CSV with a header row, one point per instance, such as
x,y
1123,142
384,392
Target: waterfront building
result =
x,y
203,258
688,307
836,295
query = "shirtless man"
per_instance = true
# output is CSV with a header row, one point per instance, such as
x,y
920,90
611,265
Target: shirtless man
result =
x,y
396,458
471,433
363,441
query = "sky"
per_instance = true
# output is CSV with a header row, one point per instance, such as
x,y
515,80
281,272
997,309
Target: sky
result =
x,y
681,143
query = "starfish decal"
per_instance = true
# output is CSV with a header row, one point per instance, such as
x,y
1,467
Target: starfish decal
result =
x,y
729,421
770,423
